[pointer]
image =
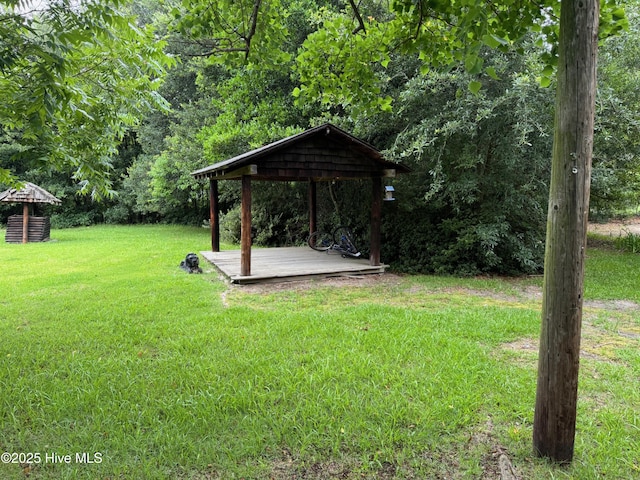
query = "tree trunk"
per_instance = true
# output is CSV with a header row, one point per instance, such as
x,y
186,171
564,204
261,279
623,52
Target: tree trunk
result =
x,y
557,388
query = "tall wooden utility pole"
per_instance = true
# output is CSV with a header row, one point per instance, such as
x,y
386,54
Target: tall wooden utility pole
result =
x,y
557,390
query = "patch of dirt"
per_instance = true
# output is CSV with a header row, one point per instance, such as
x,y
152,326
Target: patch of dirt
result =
x,y
289,468
369,280
596,343
523,344
440,463
620,305
616,228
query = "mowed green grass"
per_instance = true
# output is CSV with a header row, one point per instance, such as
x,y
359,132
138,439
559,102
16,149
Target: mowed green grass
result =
x,y
108,348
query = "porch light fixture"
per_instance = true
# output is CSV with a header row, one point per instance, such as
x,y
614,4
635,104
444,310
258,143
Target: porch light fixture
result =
x,y
388,193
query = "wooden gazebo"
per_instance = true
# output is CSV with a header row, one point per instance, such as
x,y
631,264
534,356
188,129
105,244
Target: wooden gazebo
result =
x,y
24,228
323,153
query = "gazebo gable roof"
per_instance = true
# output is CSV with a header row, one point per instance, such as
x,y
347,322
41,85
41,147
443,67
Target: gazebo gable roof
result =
x,y
322,153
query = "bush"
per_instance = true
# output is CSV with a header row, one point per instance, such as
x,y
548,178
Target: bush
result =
x,y
70,220
629,242
476,201
230,226
278,218
117,214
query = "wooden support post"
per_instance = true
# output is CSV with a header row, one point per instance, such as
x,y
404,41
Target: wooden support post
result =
x,y
214,215
376,221
25,223
245,229
313,206
554,423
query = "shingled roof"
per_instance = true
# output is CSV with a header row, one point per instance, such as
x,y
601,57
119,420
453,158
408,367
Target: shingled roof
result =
x,y
321,153
30,193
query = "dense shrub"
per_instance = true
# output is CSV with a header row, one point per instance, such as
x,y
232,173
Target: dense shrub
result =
x,y
70,220
476,200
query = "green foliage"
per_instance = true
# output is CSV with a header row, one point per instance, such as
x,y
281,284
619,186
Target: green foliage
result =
x,y
230,109
174,194
616,168
342,67
480,156
220,109
616,164
279,215
344,62
235,32
231,226
476,200
628,242
334,53
233,114
253,108
72,80
73,219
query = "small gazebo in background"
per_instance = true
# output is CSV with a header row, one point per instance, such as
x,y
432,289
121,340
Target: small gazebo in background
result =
x,y
25,228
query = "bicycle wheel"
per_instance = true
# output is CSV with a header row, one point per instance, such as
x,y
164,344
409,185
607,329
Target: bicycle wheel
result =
x,y
320,241
343,237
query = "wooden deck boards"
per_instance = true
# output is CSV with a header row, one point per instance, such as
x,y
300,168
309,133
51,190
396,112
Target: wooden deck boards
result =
x,y
287,264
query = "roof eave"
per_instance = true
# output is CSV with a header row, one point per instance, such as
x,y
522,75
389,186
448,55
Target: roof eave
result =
x,y
227,168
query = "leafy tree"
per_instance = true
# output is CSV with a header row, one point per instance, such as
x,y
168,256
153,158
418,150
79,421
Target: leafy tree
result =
x,y
73,78
236,113
480,164
219,110
173,193
235,31
616,163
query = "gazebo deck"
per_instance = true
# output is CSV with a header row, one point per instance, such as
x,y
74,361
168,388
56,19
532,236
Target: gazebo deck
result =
x,y
288,264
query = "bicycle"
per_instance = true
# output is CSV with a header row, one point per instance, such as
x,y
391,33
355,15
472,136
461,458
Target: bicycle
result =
x,y
340,242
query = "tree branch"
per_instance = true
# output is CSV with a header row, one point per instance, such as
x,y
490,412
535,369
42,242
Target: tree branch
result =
x,y
252,29
218,51
209,48
356,12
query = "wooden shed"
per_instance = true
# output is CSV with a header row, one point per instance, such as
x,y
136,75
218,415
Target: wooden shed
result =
x,y
320,154
28,228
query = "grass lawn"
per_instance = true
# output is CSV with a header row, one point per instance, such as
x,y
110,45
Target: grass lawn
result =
x,y
110,353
